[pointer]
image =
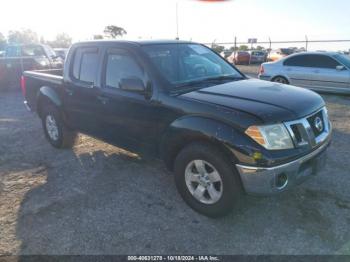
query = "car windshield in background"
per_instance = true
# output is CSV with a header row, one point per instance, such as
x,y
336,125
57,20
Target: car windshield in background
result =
x,y
344,59
33,50
186,64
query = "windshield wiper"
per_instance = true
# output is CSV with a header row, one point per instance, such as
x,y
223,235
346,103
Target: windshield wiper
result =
x,y
210,79
224,77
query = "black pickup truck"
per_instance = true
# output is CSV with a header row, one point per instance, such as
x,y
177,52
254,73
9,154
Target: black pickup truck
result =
x,y
19,58
221,133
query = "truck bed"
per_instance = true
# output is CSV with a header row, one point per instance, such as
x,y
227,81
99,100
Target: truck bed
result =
x,y
34,80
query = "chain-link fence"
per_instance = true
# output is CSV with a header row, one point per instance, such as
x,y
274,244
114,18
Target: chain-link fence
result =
x,y
274,50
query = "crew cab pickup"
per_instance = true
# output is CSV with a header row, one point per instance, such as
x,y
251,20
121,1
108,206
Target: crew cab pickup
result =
x,y
19,58
221,133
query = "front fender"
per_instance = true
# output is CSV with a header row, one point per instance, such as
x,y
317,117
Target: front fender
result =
x,y
188,129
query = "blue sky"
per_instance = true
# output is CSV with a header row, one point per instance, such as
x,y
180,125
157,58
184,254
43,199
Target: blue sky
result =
x,y
202,22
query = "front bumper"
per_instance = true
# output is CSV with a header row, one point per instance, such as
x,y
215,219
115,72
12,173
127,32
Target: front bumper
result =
x,y
271,180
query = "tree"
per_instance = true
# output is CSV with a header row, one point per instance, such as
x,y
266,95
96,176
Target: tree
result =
x,y
2,41
243,48
217,48
233,48
62,40
260,48
98,37
23,36
114,31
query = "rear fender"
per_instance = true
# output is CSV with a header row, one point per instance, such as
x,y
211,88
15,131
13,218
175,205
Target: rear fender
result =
x,y
48,95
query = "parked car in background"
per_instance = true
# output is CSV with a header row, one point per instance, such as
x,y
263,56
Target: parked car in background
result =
x,y
277,54
61,52
221,133
257,56
239,58
321,71
226,53
18,58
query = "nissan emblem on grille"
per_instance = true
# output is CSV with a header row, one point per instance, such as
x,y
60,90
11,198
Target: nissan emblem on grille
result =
x,y
318,124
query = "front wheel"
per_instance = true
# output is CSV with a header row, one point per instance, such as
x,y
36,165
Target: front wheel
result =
x,y
207,180
55,129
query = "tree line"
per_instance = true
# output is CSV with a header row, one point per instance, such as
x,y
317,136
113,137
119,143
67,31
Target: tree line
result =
x,y
62,40
219,48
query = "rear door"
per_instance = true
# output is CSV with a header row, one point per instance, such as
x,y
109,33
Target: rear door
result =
x,y
327,76
82,104
299,70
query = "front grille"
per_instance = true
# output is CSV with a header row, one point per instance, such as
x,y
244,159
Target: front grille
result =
x,y
312,119
311,130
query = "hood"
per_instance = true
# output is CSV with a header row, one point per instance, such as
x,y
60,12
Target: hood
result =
x,y
271,102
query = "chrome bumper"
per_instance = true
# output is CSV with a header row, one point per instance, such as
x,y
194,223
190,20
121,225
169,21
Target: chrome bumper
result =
x,y
271,180
27,106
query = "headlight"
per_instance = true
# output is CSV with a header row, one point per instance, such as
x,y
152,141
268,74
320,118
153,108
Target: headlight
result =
x,y
272,137
43,63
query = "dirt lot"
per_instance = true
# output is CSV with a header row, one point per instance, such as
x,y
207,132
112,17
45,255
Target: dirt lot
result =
x,y
99,199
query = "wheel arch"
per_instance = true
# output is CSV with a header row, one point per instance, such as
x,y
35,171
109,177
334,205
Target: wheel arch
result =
x,y
47,95
191,129
282,76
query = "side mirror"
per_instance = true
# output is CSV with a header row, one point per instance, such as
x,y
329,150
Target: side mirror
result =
x,y
340,68
132,85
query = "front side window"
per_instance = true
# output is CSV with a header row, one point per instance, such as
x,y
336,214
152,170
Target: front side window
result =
x,y
184,63
120,65
323,61
299,60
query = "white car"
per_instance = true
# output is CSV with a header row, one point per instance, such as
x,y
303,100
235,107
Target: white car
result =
x,y
326,71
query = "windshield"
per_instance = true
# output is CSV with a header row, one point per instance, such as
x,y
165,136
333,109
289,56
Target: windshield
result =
x,y
344,59
183,64
32,50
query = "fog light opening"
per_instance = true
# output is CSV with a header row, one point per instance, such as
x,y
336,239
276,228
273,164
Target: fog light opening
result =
x,y
281,181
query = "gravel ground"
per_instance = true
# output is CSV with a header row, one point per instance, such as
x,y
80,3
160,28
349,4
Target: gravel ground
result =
x,y
99,199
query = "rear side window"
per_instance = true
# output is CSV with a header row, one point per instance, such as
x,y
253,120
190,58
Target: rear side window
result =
x,y
300,60
85,65
317,61
121,65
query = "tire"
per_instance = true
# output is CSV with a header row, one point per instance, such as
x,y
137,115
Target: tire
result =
x,y
228,191
56,132
281,80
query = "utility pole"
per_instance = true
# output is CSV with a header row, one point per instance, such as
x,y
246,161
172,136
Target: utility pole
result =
x,y
306,42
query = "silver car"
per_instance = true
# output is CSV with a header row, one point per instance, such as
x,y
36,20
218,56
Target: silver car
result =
x,y
320,71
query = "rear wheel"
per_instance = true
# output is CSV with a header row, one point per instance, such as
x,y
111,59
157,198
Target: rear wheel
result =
x,y
280,79
206,180
56,132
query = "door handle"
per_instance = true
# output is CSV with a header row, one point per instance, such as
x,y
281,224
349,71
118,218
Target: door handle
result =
x,y
103,99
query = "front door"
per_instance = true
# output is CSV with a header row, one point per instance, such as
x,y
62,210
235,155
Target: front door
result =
x,y
129,118
328,77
